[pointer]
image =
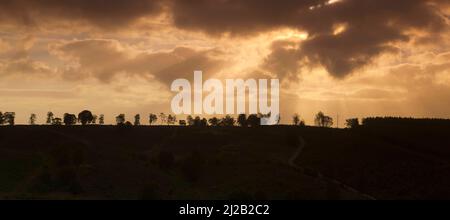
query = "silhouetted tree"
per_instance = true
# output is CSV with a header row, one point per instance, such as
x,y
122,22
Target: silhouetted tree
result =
x,y
302,123
152,118
94,119
171,119
32,119
322,120
85,117
214,121
190,120
57,121
203,122
101,119
197,121
227,121
128,123
137,120
296,119
242,120
9,117
163,118
253,120
70,119
49,118
2,118
120,119
352,123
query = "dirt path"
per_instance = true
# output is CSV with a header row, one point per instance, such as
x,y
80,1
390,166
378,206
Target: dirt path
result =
x,y
346,191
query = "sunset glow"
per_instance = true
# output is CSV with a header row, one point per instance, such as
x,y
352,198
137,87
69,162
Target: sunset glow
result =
x,y
67,56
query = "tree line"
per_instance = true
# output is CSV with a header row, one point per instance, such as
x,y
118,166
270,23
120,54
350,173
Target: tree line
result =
x,y
86,117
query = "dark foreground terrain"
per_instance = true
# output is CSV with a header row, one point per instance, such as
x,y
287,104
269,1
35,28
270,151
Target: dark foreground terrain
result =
x,y
276,162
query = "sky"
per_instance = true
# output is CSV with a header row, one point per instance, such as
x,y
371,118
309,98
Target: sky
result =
x,y
347,58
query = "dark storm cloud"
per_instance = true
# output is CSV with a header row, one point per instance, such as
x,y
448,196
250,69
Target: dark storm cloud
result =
x,y
101,13
371,26
238,17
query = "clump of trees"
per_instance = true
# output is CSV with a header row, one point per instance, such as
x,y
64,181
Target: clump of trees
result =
x,y
197,121
252,120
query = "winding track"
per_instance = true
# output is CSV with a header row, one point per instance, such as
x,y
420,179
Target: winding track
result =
x,y
320,176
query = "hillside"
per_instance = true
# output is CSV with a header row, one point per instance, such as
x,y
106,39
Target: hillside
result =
x,y
171,162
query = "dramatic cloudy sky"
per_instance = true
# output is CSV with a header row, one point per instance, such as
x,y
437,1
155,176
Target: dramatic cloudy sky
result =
x,y
354,58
